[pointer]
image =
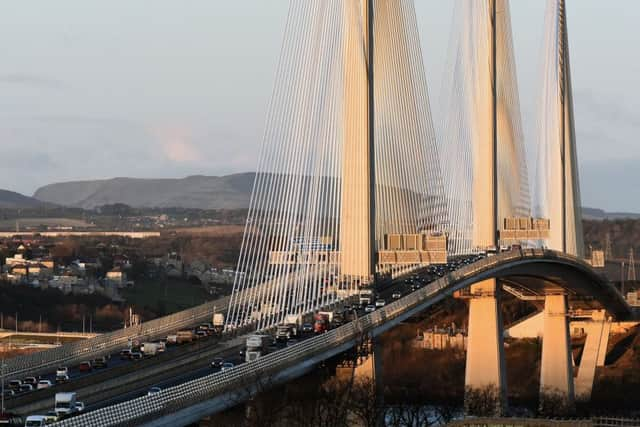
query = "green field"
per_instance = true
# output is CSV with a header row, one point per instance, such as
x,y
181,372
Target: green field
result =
x,y
10,224
165,296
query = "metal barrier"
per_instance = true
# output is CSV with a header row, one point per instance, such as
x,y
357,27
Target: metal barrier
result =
x,y
146,408
106,343
615,422
545,422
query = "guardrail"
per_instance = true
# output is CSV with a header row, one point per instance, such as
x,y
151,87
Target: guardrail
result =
x,y
546,422
187,394
42,361
146,408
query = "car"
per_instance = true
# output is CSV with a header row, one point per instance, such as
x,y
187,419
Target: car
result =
x,y
136,355
62,370
53,416
36,421
153,391
9,393
226,366
43,384
14,384
217,363
79,406
307,328
380,303
60,379
201,334
85,367
25,388
125,354
396,295
370,308
30,380
99,363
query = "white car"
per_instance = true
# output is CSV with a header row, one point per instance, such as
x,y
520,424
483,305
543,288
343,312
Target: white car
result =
x,y
37,421
61,371
396,295
153,391
80,406
43,384
380,303
226,366
370,308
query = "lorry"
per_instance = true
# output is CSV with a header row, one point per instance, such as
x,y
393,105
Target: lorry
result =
x,y
149,348
172,339
366,296
321,322
185,336
218,322
256,346
65,404
288,329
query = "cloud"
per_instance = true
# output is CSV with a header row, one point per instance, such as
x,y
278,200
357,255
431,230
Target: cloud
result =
x,y
32,80
176,144
606,109
181,151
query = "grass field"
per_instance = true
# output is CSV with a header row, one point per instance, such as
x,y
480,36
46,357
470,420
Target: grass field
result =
x,y
166,296
10,224
211,230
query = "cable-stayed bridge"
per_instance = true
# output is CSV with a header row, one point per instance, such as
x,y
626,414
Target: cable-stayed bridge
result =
x,y
356,186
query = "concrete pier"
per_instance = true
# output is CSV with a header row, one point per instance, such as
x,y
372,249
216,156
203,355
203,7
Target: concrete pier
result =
x,y
485,373
556,370
593,355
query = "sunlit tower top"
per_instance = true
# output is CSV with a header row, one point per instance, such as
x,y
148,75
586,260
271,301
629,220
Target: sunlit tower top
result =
x,y
559,190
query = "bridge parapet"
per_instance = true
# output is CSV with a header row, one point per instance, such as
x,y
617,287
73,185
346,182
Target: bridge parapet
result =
x,y
40,362
276,365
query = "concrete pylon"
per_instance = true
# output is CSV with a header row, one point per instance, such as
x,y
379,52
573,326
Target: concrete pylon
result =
x,y
485,374
556,371
366,369
357,218
593,354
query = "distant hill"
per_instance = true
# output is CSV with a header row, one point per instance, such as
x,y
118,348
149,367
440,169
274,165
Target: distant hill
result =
x,y
599,214
195,192
13,200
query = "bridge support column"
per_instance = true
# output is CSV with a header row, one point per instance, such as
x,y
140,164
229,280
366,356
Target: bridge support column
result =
x,y
366,371
485,375
556,371
593,354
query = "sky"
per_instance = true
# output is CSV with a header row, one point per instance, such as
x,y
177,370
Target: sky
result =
x,y
166,88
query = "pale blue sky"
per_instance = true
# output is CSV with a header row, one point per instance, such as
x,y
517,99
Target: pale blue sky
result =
x,y
160,88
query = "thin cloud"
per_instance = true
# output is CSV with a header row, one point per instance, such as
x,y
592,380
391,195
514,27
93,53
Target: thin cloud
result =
x,y
32,80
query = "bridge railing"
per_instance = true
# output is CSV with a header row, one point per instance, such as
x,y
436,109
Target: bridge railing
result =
x,y
240,377
75,352
173,399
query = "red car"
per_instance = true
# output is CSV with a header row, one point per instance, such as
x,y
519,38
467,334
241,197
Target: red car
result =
x,y
85,367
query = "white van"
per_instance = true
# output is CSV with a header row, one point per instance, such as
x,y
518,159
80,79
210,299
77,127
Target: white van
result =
x,y
38,420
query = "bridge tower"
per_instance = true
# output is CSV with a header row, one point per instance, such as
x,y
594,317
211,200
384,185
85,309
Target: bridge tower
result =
x,y
559,189
357,215
485,364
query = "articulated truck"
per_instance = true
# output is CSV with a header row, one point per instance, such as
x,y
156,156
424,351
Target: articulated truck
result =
x,y
256,346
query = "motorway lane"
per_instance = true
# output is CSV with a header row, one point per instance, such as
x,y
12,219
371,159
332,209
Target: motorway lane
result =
x,y
75,373
197,370
422,277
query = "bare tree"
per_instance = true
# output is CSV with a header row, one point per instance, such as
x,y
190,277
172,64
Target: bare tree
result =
x,y
554,403
483,401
